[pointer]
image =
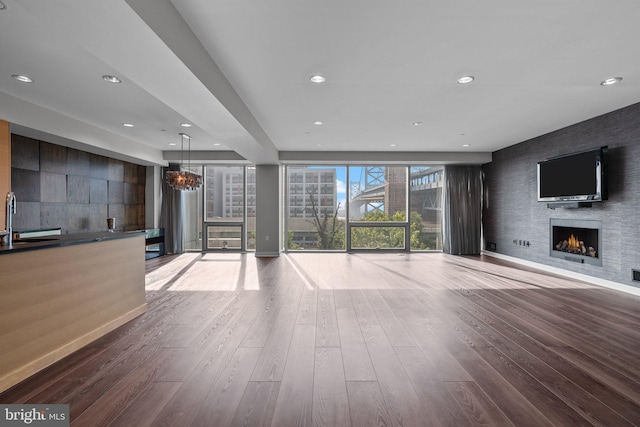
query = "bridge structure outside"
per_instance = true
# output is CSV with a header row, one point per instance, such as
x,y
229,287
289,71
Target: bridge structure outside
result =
x,y
384,187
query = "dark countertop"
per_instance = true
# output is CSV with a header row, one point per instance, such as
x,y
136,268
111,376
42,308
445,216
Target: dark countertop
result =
x,y
45,242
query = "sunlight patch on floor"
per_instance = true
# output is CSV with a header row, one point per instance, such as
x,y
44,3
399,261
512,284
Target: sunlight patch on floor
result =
x,y
164,275
206,272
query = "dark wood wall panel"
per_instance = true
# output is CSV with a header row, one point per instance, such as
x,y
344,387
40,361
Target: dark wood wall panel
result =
x,y
116,170
25,153
53,158
131,173
78,189
78,163
511,211
117,211
78,218
99,167
27,215
63,187
52,215
116,192
53,187
26,183
98,191
98,214
132,193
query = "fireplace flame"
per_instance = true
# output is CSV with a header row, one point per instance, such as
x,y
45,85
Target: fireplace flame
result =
x,y
574,245
573,242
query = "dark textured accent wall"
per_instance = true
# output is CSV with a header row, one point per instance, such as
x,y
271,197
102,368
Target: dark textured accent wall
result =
x,y
56,186
511,210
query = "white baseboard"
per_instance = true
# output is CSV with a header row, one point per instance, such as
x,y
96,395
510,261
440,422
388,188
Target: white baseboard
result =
x,y
570,274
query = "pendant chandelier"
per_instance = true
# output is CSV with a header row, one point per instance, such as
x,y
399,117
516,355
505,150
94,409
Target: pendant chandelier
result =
x,y
184,180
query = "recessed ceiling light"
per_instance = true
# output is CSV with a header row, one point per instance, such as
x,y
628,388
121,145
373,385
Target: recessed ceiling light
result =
x,y
611,81
111,79
465,79
466,145
23,79
319,145
393,145
185,125
416,123
173,143
317,79
317,123
127,125
217,144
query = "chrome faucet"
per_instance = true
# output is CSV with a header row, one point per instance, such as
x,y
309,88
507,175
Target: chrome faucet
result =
x,y
11,210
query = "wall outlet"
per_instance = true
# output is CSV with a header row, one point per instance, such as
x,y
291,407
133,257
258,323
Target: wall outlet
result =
x,y
266,237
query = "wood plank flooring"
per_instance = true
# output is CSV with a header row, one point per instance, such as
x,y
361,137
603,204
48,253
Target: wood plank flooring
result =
x,y
356,340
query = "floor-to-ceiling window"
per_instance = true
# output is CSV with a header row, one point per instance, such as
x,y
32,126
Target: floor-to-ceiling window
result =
x,y
224,208
251,208
363,207
378,208
327,208
221,214
425,207
315,207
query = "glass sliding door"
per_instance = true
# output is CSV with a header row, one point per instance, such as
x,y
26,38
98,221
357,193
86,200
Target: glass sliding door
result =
x,y
314,208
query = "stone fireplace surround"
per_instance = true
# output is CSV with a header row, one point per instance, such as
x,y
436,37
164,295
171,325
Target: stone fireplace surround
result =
x,y
586,233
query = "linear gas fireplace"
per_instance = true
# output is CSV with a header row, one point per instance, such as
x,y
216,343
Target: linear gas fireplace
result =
x,y
576,240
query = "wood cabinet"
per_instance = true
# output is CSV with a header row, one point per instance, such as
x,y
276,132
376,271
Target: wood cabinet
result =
x,y
5,168
54,300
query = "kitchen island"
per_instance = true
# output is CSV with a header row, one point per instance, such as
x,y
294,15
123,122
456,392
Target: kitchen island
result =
x,y
59,293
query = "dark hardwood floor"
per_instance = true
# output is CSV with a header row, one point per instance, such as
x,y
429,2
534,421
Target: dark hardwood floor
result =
x,y
362,340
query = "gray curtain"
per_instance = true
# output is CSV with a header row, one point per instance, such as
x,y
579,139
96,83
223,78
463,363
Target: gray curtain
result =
x,y
462,219
172,215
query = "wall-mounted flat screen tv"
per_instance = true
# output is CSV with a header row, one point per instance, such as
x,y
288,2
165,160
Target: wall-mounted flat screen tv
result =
x,y
574,177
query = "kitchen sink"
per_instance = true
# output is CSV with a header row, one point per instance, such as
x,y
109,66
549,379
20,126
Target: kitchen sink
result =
x,y
34,240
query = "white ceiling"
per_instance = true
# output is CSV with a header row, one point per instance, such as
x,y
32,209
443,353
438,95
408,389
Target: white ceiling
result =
x,y
239,72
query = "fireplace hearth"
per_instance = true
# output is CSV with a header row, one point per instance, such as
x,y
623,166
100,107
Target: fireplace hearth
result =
x,y
576,240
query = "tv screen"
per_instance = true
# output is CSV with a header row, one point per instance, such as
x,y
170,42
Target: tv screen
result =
x,y
578,176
